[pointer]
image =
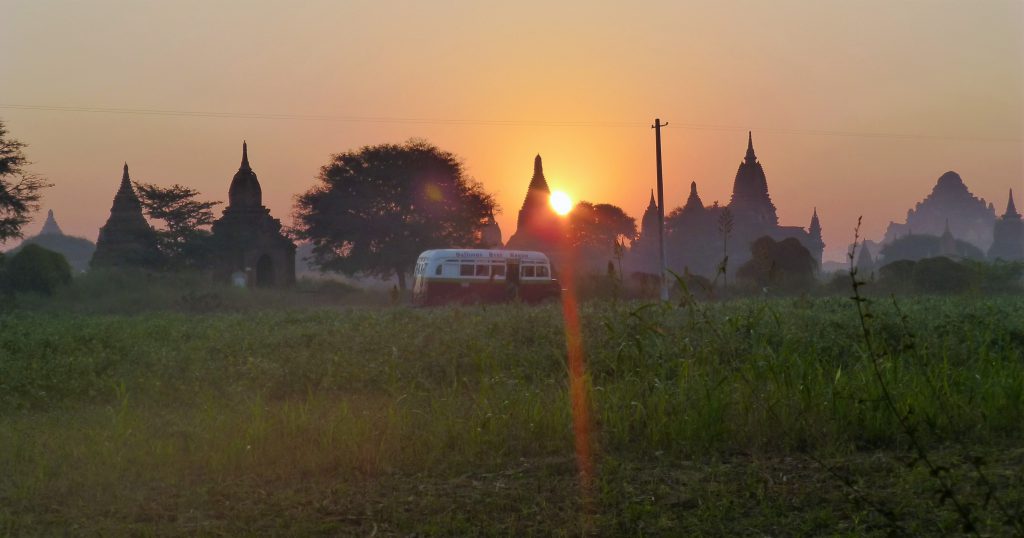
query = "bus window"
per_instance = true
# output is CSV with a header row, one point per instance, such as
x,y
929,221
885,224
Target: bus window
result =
x,y
498,270
465,270
528,271
542,271
438,270
483,270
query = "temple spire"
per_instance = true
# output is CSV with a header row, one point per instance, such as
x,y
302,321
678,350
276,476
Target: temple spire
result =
x,y
50,226
750,157
245,157
538,182
814,230
125,180
693,202
652,203
1011,210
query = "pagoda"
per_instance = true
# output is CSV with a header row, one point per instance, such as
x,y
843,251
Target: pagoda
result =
x,y
50,227
751,204
490,233
126,240
951,203
538,227
643,252
251,247
1008,235
816,245
704,239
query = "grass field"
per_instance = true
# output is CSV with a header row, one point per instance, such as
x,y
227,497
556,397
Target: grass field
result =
x,y
753,417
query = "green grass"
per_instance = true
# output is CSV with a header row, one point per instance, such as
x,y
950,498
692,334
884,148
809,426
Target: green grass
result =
x,y
740,418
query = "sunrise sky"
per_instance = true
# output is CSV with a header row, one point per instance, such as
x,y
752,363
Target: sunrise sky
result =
x,y
856,107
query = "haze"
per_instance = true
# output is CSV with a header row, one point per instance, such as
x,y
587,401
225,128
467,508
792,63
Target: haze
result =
x,y
856,108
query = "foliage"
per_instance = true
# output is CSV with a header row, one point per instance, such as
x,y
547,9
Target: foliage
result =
x,y
133,291
919,246
76,250
184,240
898,275
20,191
375,209
941,275
713,420
35,269
786,265
601,225
596,231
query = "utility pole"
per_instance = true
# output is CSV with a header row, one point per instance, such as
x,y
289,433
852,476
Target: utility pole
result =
x,y
661,209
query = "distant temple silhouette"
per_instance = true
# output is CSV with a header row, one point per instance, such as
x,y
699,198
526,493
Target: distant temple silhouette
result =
x,y
696,235
126,240
490,234
50,227
77,251
538,226
1008,234
969,218
248,239
643,253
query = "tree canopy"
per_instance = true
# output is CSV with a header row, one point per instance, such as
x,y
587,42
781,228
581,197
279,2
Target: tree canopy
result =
x,y
919,246
375,209
600,225
184,239
785,264
19,190
35,269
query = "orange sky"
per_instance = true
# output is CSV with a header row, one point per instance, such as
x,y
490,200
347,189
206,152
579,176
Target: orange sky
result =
x,y
825,86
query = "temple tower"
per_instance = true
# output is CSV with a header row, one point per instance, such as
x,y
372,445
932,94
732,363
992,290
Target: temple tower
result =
x,y
815,243
865,262
649,222
50,227
751,204
693,202
490,235
1008,235
249,240
537,227
126,240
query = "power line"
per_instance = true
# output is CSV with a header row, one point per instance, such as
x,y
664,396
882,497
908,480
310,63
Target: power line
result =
x,y
497,122
321,117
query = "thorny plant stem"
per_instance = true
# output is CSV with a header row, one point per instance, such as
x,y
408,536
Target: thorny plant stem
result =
x,y
945,488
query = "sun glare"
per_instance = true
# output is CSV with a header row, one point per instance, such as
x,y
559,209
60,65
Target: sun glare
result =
x,y
561,203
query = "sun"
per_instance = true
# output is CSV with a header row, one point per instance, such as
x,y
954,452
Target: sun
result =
x,y
561,202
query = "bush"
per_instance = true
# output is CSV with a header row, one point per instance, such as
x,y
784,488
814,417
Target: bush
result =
x,y
784,265
36,269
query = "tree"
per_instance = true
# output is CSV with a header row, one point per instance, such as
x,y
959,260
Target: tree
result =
x,y
375,209
921,246
785,264
184,240
595,230
601,225
36,269
19,190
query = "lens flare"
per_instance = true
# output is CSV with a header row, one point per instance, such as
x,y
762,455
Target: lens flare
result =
x,y
561,202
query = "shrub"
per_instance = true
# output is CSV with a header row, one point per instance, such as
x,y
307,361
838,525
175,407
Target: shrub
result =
x,y
941,275
786,265
897,276
36,269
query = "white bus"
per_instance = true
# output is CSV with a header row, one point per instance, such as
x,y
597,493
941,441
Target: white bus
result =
x,y
475,275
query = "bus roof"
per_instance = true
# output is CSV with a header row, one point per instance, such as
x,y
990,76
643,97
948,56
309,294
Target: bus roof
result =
x,y
482,254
